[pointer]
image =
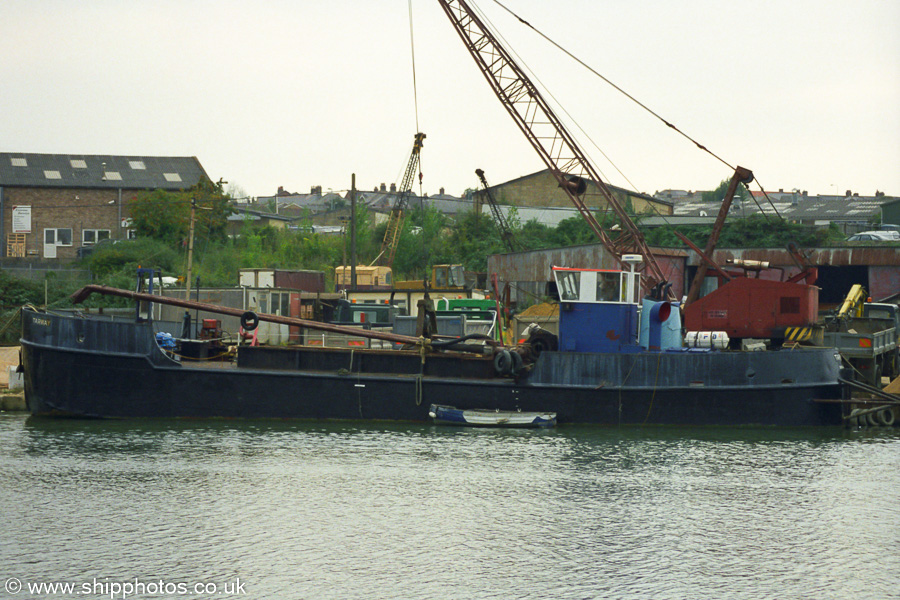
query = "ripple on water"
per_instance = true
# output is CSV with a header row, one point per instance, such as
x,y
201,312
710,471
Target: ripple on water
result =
x,y
308,510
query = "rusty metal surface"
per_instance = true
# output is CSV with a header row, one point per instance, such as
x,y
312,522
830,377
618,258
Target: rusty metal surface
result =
x,y
884,282
535,265
835,257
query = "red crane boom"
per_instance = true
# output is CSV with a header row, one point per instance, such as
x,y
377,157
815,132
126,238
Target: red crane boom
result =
x,y
547,135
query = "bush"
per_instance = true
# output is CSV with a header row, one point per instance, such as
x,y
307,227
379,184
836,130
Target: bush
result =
x,y
123,257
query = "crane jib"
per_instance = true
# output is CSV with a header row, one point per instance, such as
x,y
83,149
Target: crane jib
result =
x,y
554,144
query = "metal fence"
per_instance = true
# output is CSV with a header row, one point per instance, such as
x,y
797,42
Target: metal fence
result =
x,y
32,273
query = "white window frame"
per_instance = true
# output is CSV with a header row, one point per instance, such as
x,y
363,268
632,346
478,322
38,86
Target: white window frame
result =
x,y
280,303
57,230
84,232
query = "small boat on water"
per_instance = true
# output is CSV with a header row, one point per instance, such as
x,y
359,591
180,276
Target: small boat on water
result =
x,y
482,417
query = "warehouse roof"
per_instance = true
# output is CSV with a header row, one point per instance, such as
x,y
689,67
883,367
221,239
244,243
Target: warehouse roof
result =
x,y
99,171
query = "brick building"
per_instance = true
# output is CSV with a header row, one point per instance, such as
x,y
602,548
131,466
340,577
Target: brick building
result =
x,y
542,190
53,205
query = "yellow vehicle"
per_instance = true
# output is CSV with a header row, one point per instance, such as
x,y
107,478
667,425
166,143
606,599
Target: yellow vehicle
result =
x,y
443,277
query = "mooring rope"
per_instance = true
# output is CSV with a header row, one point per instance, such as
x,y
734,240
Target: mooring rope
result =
x,y
655,387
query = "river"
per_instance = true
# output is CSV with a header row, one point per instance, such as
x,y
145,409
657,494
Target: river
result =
x,y
272,509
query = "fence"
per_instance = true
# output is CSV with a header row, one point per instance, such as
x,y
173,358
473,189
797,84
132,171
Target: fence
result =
x,y
32,273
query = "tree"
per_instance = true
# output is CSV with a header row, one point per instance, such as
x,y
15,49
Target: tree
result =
x,y
166,215
756,231
236,192
474,237
160,215
718,194
422,242
572,232
534,235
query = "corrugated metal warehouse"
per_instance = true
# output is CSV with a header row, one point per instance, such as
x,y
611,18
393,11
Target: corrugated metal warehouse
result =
x,y
876,268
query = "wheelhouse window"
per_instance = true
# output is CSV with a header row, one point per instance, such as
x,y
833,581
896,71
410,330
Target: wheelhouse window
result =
x,y
609,287
569,284
597,285
89,237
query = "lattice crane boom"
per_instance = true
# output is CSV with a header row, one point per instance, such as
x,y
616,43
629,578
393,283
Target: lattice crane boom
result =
x,y
505,231
547,135
395,219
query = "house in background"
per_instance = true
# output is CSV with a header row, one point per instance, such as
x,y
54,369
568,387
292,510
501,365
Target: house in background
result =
x,y
851,212
52,206
242,217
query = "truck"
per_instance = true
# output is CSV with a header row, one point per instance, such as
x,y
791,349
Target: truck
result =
x,y
866,335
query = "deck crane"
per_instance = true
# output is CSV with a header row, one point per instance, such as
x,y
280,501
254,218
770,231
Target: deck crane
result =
x,y
547,135
505,232
395,219
742,306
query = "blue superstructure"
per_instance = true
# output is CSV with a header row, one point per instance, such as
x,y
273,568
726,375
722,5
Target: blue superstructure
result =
x,y
599,312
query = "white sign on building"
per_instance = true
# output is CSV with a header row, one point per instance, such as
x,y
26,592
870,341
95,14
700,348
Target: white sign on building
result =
x,y
21,219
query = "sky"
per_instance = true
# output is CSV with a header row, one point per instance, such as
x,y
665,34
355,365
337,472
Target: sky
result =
x,y
302,93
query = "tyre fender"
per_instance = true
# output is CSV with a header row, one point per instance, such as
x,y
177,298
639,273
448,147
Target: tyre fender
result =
x,y
503,362
249,320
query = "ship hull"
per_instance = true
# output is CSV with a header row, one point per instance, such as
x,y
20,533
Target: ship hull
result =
x,y
92,368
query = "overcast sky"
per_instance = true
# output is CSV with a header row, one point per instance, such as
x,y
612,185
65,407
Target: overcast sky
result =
x,y
298,93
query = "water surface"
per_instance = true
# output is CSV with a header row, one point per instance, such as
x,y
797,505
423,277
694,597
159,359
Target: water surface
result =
x,y
356,510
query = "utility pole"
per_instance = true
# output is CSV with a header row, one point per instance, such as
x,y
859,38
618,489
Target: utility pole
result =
x,y
353,231
187,283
